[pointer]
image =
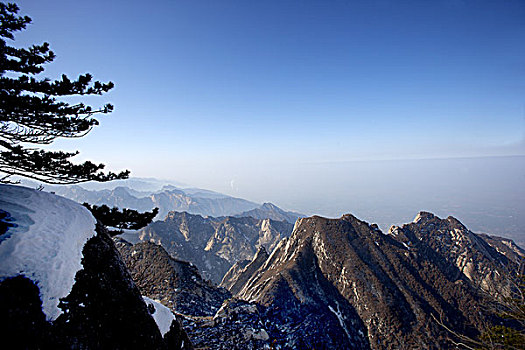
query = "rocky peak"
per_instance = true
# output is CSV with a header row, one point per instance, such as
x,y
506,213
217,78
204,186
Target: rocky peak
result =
x,y
270,206
394,230
367,289
271,211
456,224
215,244
423,216
171,189
265,224
120,191
477,260
376,277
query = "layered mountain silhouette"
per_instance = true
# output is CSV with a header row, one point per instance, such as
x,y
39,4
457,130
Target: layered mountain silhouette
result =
x,y
171,198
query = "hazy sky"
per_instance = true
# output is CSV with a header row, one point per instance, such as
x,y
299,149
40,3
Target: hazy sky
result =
x,y
218,93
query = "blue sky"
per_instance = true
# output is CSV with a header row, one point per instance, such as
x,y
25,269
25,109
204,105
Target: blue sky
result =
x,y
209,92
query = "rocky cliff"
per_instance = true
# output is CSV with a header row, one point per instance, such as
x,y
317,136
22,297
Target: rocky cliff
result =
x,y
176,284
211,318
214,244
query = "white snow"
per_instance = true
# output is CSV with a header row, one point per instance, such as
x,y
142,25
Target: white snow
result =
x,y
46,243
162,315
340,317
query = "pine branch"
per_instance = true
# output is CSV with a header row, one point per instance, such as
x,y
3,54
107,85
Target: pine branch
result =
x,y
9,22
32,113
121,219
53,167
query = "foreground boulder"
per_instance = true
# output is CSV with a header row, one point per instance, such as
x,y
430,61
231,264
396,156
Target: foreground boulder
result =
x,y
46,239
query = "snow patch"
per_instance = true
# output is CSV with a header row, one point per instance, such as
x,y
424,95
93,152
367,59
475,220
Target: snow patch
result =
x,y
340,317
45,243
163,316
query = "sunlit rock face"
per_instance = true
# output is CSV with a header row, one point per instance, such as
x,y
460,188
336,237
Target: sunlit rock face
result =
x,y
484,260
377,290
214,244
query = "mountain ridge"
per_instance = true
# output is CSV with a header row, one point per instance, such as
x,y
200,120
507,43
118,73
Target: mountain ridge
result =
x,y
171,198
214,244
369,289
394,286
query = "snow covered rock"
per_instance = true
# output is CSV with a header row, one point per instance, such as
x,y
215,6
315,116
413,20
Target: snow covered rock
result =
x,y
64,285
44,242
161,314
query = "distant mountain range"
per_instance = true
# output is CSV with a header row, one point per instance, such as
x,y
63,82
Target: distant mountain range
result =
x,y
271,211
171,198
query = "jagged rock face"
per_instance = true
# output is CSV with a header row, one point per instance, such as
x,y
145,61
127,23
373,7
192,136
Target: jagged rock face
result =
x,y
506,247
103,311
333,284
472,254
239,273
233,274
237,239
233,240
363,283
239,324
305,309
214,244
177,284
184,236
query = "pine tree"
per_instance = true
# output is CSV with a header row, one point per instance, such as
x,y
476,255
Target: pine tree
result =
x,y
121,219
512,309
32,112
